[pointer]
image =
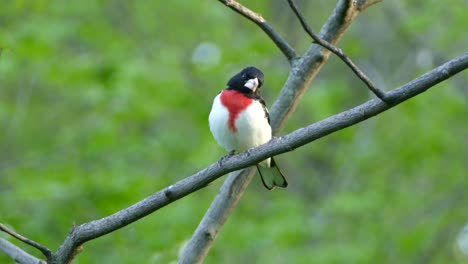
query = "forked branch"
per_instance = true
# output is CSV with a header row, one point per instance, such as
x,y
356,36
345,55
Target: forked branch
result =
x,y
338,52
47,253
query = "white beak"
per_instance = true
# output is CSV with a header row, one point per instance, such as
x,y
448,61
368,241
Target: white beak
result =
x,y
252,84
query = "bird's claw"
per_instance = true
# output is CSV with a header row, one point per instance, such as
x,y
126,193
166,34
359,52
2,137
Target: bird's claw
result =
x,y
223,158
248,151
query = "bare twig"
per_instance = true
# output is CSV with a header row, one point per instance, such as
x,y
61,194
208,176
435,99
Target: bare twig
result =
x,y
47,253
338,52
287,50
17,254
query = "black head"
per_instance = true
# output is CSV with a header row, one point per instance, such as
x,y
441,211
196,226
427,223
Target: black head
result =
x,y
249,80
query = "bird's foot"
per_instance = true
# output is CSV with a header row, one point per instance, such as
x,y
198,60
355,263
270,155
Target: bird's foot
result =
x,y
248,151
223,158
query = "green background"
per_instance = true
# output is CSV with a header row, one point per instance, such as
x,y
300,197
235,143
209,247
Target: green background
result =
x,y
103,103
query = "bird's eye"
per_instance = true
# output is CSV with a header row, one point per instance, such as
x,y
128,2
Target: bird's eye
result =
x,y
244,76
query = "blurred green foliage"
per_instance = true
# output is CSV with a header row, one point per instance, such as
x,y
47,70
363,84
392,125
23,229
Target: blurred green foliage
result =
x,y
103,103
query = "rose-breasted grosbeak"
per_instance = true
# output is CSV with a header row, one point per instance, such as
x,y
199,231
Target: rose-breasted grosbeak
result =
x,y
239,120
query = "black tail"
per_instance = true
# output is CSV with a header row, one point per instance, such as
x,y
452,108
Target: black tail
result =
x,y
272,177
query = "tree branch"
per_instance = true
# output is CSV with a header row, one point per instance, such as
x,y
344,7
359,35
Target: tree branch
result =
x,y
287,50
207,231
305,69
17,254
338,52
47,253
276,146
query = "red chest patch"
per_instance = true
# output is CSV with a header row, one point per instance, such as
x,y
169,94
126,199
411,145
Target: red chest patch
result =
x,y
235,102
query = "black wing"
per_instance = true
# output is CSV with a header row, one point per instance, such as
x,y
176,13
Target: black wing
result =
x,y
267,114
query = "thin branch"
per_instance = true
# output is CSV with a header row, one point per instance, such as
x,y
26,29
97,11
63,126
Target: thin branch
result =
x,y
47,253
338,52
276,146
227,198
17,254
287,50
303,72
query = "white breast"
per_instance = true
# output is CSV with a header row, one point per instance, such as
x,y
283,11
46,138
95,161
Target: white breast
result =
x,y
218,120
252,127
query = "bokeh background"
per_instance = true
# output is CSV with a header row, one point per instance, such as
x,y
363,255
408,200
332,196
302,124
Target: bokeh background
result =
x,y
103,103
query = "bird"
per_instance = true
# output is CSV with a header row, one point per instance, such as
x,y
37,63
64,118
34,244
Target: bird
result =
x,y
239,120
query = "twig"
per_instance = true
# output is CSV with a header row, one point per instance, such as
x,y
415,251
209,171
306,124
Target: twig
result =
x,y
17,254
287,50
338,52
47,253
